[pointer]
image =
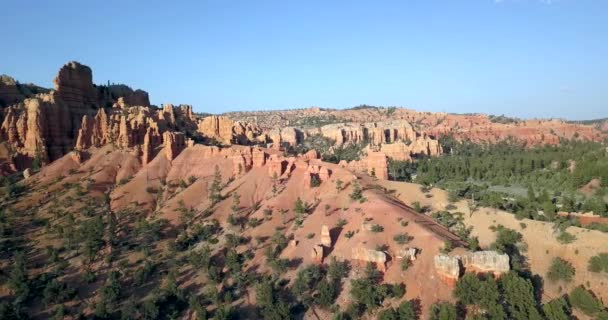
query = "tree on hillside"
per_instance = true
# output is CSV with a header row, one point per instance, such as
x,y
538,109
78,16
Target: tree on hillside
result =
x,y
585,301
557,309
518,296
443,311
216,187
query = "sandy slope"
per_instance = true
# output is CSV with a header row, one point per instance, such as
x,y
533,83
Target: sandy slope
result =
x,y
539,237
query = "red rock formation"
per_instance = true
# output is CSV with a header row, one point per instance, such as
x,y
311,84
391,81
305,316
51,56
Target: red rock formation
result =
x,y
9,93
258,157
447,268
219,128
325,236
74,85
360,253
374,164
174,143
317,254
276,166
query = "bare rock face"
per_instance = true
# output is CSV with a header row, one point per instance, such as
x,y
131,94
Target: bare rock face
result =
x,y
325,236
276,166
407,254
137,98
74,86
447,268
311,154
258,157
397,151
9,93
37,128
485,261
242,163
217,127
324,174
369,255
317,254
375,164
174,143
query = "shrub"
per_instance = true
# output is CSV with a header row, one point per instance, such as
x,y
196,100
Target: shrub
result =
x,y
254,222
402,238
377,228
341,223
565,237
349,234
450,207
583,300
151,190
315,181
598,263
339,185
560,270
357,193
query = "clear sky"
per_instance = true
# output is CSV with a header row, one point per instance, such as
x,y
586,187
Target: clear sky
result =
x,y
526,58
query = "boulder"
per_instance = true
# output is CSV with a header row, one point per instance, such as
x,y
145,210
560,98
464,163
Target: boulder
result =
x,y
368,255
27,173
407,253
325,236
447,268
485,261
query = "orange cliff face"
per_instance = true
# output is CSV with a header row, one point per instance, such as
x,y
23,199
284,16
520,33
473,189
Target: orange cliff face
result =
x,y
43,125
79,115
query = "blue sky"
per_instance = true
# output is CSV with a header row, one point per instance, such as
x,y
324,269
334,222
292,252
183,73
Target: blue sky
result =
x,y
526,58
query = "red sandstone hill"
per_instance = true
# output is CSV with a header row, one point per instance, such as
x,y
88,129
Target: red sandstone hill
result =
x,y
475,127
108,153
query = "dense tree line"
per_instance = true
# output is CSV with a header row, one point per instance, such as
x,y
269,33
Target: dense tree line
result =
x,y
516,178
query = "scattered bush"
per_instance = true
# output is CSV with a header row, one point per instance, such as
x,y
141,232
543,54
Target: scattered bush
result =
x,y
377,228
560,269
599,263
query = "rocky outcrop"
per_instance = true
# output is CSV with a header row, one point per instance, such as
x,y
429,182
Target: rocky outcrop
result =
x,y
276,166
450,268
74,84
388,125
325,236
219,128
485,261
422,145
447,268
36,128
374,164
9,92
368,255
316,254
174,143
258,157
137,98
321,174
407,253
